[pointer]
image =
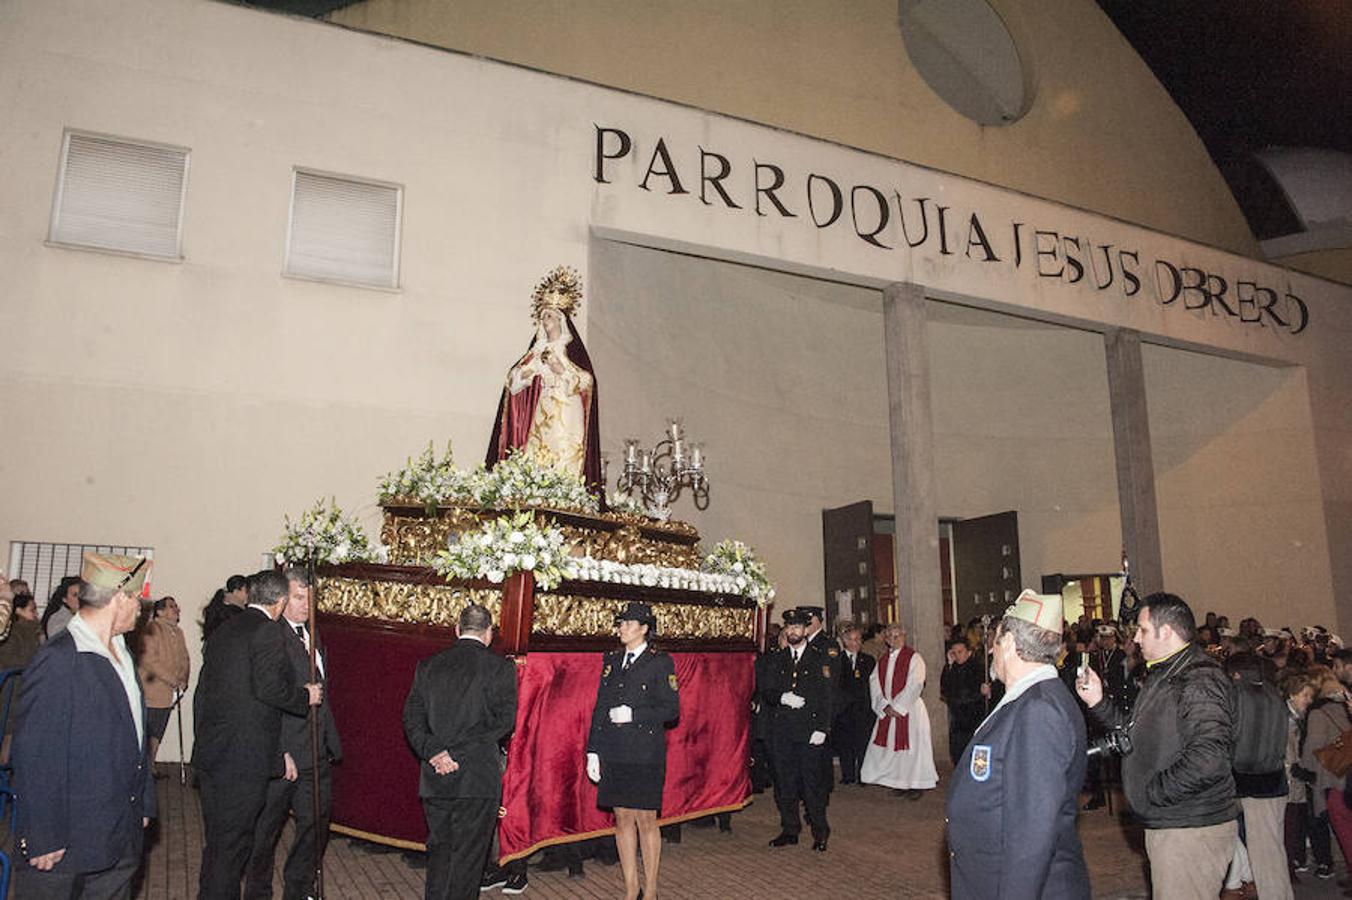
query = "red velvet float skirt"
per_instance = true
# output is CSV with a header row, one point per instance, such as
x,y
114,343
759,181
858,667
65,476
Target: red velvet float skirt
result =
x,y
546,796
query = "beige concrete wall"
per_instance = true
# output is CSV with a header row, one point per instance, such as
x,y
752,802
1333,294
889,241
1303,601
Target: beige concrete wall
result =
x,y
1242,528
1101,133
1336,265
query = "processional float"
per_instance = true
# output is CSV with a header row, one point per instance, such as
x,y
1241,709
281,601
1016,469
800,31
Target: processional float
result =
x,y
530,536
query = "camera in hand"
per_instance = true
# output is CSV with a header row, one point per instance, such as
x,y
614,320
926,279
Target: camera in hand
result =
x,y
1114,743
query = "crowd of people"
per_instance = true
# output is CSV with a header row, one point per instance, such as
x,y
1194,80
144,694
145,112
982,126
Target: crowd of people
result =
x,y
1231,746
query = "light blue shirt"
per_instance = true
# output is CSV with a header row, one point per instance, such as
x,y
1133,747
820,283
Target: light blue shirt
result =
x,y
87,641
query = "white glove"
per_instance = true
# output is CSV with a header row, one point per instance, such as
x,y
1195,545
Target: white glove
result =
x,y
621,715
817,738
791,700
594,767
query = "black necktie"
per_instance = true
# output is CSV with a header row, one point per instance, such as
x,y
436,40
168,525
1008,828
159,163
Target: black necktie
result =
x,y
628,658
300,631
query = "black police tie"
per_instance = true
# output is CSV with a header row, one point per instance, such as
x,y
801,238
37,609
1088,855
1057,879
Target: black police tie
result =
x,y
628,658
300,631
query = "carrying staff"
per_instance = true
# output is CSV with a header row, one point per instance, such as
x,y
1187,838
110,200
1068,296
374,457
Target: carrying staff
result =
x,y
627,746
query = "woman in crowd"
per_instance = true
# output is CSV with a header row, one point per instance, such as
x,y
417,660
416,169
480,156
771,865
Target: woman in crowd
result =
x,y
1299,692
627,746
1326,720
164,667
65,600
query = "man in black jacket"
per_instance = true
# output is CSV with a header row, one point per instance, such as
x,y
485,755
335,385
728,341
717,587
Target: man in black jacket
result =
x,y
463,701
854,717
960,688
246,686
798,686
293,792
1177,778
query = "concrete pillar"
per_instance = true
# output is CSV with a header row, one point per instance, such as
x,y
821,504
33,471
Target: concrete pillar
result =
x,y
1135,467
914,495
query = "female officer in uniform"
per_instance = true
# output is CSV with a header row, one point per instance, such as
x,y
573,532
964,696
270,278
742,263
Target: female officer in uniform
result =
x,y
627,747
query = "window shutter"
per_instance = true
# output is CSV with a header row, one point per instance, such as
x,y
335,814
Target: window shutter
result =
x,y
120,195
344,230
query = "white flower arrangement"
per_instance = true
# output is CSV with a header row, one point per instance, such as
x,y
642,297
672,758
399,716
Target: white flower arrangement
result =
x,y
627,504
516,482
322,531
739,583
521,480
735,560
428,479
502,547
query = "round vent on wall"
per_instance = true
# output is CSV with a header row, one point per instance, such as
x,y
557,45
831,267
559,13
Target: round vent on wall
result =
x,y
966,55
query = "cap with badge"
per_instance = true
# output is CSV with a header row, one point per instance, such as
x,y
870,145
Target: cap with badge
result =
x,y
128,574
795,617
809,611
638,612
1042,610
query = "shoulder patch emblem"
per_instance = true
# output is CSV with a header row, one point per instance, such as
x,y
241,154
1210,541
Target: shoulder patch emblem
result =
x,y
826,671
833,653
605,673
671,682
981,762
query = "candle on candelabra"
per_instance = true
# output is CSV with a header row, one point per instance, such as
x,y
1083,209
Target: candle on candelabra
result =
x,y
696,457
674,427
645,462
631,451
677,453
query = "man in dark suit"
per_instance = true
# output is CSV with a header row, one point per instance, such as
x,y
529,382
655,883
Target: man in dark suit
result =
x,y
798,685
1012,803
84,783
816,637
960,688
296,795
246,686
463,701
854,717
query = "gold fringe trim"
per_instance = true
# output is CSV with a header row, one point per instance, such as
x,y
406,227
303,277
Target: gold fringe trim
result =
x,y
378,838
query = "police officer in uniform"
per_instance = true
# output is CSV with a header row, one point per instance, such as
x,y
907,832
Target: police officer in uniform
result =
x,y
814,634
627,746
799,686
1013,799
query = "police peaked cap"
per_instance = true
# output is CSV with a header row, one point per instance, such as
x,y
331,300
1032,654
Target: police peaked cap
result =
x,y
795,617
808,611
638,612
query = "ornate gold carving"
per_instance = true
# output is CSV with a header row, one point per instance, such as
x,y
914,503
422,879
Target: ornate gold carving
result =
x,y
396,601
575,616
413,540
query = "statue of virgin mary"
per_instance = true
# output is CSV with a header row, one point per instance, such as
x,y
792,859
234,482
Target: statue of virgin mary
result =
x,y
548,406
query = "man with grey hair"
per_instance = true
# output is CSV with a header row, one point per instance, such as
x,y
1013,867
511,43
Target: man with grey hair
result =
x,y
1014,796
462,703
84,784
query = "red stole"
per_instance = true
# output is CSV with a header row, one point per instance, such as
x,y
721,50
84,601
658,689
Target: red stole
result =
x,y
901,733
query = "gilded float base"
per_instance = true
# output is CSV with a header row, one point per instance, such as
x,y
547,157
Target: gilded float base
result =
x,y
395,601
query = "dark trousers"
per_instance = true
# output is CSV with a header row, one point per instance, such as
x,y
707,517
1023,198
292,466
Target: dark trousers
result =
x,y
110,884
460,831
295,798
799,779
762,776
231,805
849,738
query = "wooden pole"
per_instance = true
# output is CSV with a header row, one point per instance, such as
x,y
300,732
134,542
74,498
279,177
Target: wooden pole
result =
x,y
319,833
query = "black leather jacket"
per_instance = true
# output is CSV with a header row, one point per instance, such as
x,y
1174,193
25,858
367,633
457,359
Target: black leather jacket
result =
x,y
1182,734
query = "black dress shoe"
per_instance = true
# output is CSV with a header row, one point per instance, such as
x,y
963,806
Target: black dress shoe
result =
x,y
725,823
819,846
575,870
784,840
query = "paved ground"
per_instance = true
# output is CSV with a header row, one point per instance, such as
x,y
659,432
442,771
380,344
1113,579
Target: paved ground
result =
x,y
882,846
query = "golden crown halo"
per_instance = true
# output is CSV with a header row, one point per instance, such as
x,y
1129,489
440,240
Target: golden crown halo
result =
x,y
561,289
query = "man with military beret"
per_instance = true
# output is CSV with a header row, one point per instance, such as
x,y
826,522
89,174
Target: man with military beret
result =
x,y
1012,803
83,779
798,684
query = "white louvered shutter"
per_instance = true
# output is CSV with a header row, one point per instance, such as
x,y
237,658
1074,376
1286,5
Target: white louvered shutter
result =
x,y
120,195
344,230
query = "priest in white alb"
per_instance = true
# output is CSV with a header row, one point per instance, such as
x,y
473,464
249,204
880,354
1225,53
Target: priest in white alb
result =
x,y
900,755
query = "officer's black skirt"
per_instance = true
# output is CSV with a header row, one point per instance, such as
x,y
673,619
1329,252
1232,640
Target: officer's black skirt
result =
x,y
631,785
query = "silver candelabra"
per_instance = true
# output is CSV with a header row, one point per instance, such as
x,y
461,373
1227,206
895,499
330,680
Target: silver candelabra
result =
x,y
659,475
